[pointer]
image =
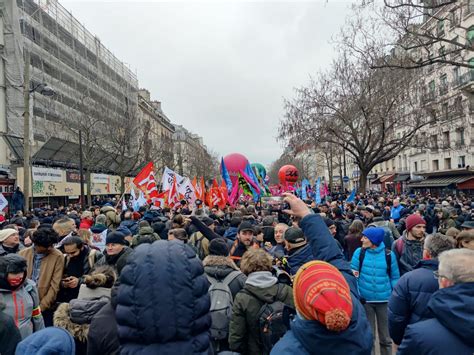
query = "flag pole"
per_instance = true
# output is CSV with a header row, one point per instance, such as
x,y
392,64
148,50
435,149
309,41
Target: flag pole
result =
x,y
120,200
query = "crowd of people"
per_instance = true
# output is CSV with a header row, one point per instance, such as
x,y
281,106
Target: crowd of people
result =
x,y
382,272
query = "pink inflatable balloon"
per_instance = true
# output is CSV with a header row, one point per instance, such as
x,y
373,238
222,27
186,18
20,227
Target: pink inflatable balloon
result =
x,y
235,162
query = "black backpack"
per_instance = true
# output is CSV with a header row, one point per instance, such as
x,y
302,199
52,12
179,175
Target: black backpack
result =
x,y
388,260
271,321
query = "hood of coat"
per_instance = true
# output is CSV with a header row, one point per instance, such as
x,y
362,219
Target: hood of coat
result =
x,y
231,233
453,308
354,340
146,231
263,285
61,319
49,340
218,267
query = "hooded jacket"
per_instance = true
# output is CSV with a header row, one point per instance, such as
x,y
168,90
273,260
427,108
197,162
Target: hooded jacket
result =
x,y
165,311
113,219
409,300
375,285
260,288
131,224
450,330
231,233
219,267
145,235
411,253
310,337
48,341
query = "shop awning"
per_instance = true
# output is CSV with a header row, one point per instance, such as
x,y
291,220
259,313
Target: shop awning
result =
x,y
401,178
387,178
441,181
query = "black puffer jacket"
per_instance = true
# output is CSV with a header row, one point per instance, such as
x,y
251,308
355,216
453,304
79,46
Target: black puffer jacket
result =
x,y
163,302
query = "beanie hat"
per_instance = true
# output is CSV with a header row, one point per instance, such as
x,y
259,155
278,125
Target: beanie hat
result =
x,y
322,294
5,233
374,234
116,238
218,247
294,235
124,230
413,220
329,222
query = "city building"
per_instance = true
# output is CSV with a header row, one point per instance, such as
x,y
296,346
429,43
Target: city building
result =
x,y
441,157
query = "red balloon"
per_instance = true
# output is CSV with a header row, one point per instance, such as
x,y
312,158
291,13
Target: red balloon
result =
x,y
234,163
288,174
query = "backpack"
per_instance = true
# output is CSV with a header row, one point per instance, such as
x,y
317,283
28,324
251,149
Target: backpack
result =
x,y
388,260
400,246
221,305
196,242
272,324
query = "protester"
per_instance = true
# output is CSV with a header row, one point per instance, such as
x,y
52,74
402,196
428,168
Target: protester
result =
x,y
395,211
146,234
129,222
409,300
19,295
226,281
113,218
260,289
199,241
9,334
165,311
448,330
465,239
9,241
377,273
352,241
299,251
116,252
79,261
278,250
45,268
243,242
408,248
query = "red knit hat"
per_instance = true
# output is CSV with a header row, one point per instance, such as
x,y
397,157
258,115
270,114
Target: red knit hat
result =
x,y
321,293
413,220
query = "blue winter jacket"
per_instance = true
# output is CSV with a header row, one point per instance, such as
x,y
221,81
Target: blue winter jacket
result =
x,y
231,233
298,258
451,328
163,302
395,212
310,337
409,300
375,285
47,341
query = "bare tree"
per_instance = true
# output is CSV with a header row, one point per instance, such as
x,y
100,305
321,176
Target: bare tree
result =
x,y
288,158
411,34
371,114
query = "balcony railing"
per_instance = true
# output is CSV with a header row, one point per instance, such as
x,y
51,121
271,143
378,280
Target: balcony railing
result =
x,y
463,79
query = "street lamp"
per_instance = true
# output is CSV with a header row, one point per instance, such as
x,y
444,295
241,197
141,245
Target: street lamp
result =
x,y
45,90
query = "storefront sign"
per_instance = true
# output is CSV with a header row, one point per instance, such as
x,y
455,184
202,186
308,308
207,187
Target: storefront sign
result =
x,y
46,174
100,178
73,176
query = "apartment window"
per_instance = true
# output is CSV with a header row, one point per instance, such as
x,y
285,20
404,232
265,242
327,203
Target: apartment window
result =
x,y
445,110
446,142
454,18
423,165
460,137
462,161
432,86
447,163
458,105
441,27
400,162
442,53
415,166
456,75
434,142
443,88
470,36
435,165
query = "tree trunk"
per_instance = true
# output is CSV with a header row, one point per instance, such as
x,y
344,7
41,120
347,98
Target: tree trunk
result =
x,y
363,181
89,187
122,183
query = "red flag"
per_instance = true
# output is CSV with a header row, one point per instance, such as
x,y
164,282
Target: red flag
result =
x,y
145,181
203,190
173,195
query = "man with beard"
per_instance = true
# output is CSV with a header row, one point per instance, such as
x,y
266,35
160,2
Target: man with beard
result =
x,y
409,248
243,242
80,259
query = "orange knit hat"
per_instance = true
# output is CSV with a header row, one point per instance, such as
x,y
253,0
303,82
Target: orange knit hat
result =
x,y
321,293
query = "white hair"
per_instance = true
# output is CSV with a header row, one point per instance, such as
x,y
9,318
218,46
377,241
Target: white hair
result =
x,y
457,265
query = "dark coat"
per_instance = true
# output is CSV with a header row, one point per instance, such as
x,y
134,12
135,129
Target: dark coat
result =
x,y
9,334
451,328
298,258
411,253
409,300
163,302
357,338
103,333
131,225
244,325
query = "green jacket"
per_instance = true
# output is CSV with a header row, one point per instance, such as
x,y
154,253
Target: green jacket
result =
x,y
145,235
244,328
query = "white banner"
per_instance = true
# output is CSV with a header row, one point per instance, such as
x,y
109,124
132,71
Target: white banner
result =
x,y
47,174
3,202
186,189
167,179
100,178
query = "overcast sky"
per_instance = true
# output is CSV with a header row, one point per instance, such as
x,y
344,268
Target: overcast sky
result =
x,y
220,68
